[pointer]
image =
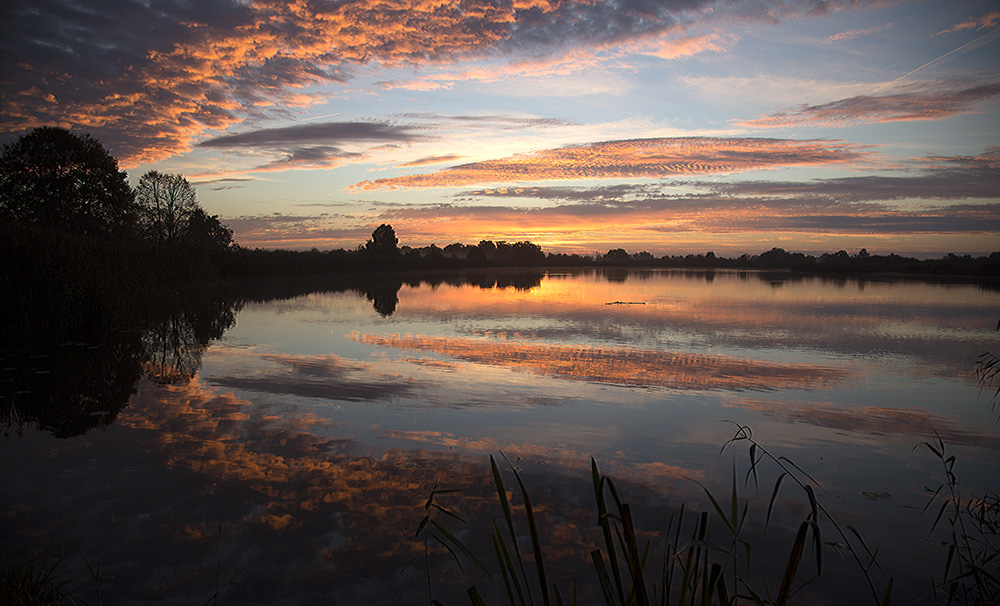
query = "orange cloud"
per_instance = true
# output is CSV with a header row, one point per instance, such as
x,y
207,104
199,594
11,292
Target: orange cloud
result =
x,y
195,68
985,22
684,46
632,159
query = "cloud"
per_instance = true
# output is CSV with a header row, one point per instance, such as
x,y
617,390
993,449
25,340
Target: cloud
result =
x,y
312,145
490,121
150,79
943,178
701,215
321,145
336,133
866,204
987,21
309,158
298,231
923,101
632,159
430,160
935,195
857,33
224,183
769,89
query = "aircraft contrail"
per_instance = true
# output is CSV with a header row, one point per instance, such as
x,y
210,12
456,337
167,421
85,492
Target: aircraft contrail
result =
x,y
969,46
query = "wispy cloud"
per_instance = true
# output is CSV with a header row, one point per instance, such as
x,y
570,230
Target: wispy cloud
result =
x,y
921,101
328,144
328,133
938,177
428,160
857,33
987,21
631,159
483,121
312,145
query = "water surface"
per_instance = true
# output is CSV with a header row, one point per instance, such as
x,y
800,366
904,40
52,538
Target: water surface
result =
x,y
289,461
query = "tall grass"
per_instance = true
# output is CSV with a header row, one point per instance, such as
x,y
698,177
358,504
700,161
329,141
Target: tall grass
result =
x,y
697,565
971,572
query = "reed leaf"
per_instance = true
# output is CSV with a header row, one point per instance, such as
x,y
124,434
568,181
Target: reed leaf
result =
x,y
536,544
507,566
793,564
509,519
604,522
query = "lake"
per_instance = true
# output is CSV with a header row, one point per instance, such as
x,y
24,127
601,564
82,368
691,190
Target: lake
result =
x,y
284,450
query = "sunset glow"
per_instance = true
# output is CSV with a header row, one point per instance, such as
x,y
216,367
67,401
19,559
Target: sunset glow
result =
x,y
671,127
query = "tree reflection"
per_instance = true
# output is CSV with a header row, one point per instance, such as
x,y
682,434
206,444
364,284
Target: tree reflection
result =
x,y
174,345
384,293
384,297
173,351
70,388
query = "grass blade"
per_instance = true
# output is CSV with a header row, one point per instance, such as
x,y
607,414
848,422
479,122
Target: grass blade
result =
x,y
602,576
605,523
536,544
509,519
793,564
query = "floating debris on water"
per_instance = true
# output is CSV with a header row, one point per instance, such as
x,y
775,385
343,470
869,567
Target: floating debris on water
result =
x,y
626,303
877,495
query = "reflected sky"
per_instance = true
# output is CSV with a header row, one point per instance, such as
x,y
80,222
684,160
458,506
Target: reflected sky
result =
x,y
299,456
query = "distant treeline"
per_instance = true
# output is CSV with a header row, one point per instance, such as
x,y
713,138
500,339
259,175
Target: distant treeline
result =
x,y
82,252
527,254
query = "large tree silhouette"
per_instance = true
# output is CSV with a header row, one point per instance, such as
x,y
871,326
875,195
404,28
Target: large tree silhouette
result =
x,y
54,178
205,230
166,203
383,241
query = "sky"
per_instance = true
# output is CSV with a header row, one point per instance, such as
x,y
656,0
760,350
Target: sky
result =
x,y
670,126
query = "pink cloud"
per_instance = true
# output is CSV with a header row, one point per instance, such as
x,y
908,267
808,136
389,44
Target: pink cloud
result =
x,y
987,21
857,33
631,159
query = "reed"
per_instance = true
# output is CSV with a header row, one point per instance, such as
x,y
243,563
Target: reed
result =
x,y
971,572
699,566
31,577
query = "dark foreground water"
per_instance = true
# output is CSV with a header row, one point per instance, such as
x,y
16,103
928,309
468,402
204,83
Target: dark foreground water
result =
x,y
290,460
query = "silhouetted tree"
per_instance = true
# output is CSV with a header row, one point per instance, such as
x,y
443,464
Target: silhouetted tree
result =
x,y
520,253
206,230
617,256
488,248
383,241
54,178
166,205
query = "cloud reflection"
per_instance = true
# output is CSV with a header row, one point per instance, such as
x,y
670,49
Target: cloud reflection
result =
x,y
875,420
622,366
325,377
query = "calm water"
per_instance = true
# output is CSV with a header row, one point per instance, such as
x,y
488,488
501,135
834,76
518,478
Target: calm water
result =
x,y
289,461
